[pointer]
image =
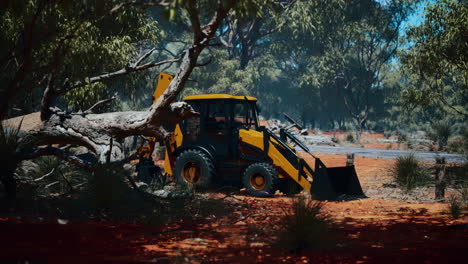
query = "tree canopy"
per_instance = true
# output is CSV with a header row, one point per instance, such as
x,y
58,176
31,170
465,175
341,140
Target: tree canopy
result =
x,y
437,61
332,64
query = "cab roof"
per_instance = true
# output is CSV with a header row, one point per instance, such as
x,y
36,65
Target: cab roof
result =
x,y
218,96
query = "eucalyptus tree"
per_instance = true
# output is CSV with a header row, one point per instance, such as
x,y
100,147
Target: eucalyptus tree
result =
x,y
356,55
437,61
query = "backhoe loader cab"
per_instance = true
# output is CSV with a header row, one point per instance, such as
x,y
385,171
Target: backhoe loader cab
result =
x,y
216,130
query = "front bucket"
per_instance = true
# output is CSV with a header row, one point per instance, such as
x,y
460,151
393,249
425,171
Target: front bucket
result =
x,y
332,183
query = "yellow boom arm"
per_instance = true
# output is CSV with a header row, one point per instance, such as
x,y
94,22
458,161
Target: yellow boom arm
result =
x,y
164,80
256,139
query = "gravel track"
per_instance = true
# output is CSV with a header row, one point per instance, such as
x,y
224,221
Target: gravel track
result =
x,y
387,154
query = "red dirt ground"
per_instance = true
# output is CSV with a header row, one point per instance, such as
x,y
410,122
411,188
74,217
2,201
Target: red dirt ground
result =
x,y
373,230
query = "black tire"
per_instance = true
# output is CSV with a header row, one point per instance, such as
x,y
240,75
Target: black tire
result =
x,y
194,168
289,186
260,179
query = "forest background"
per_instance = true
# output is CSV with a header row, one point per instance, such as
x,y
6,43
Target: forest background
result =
x,y
378,65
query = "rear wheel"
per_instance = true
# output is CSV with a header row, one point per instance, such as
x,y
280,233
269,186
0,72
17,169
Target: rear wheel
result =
x,y
260,179
195,168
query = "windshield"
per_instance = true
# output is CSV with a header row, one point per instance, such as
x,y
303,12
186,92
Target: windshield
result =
x,y
244,114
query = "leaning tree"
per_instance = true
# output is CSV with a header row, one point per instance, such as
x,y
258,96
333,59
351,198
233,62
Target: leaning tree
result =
x,y
102,134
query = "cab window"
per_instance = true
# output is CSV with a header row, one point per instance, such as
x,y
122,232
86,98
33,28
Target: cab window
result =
x,y
244,115
215,118
192,125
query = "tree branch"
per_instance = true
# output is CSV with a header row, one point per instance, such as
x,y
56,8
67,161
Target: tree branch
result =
x,y
47,98
90,110
52,151
44,176
146,55
150,3
106,76
194,20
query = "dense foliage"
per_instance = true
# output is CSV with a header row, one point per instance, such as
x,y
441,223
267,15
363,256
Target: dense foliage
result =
x,y
436,65
67,41
347,65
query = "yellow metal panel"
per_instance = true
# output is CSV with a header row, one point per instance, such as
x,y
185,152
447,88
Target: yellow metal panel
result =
x,y
174,142
167,164
164,80
255,138
178,136
218,96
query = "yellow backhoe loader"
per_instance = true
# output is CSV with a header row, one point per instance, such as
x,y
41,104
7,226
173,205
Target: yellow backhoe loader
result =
x,y
225,145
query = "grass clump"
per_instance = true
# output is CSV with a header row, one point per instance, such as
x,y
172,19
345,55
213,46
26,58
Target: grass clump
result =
x,y
408,173
455,206
304,227
463,190
402,137
350,138
440,134
387,134
9,144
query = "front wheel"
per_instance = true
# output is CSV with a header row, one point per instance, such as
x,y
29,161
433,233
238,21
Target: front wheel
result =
x,y
260,179
195,168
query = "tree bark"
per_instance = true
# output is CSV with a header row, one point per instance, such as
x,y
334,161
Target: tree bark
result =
x,y
103,134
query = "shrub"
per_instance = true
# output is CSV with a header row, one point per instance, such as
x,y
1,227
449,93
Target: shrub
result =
x,y
462,188
402,137
408,173
350,138
54,175
387,134
465,141
440,134
303,227
454,206
9,144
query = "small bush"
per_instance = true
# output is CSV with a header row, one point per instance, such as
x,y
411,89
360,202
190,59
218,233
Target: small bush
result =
x,y
9,144
303,227
455,206
402,137
440,134
59,176
408,173
387,134
350,138
463,190
409,144
465,141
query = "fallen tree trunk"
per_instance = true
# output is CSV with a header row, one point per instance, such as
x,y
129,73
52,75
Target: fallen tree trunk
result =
x,y
103,134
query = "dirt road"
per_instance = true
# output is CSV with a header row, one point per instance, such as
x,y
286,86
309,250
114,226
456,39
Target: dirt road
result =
x,y
386,154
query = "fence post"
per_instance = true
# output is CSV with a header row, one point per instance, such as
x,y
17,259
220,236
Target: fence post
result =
x,y
440,178
349,159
